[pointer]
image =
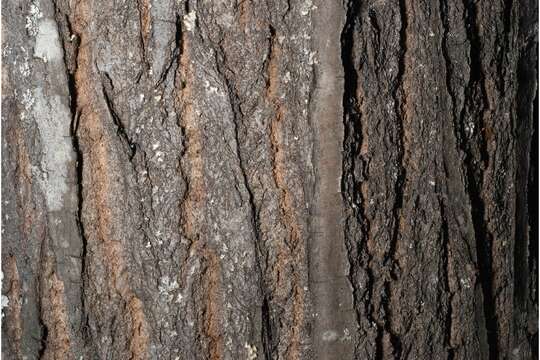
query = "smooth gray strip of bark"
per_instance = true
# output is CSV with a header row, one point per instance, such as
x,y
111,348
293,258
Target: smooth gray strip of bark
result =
x,y
333,317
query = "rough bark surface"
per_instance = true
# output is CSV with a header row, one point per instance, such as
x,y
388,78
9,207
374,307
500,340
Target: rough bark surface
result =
x,y
272,179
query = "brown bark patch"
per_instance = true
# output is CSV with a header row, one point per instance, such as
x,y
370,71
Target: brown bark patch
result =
x,y
139,333
54,313
212,313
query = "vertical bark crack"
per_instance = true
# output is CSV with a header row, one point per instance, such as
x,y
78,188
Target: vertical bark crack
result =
x,y
400,110
474,182
352,141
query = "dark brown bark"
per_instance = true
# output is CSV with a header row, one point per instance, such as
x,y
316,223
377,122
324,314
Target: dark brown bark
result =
x,y
269,180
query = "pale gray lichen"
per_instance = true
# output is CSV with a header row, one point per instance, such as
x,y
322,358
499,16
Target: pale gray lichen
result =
x,y
34,14
27,101
167,287
306,7
330,335
189,20
251,351
53,118
47,46
312,58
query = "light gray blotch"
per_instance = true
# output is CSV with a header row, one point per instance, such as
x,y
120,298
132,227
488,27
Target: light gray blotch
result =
x,y
329,335
53,120
47,45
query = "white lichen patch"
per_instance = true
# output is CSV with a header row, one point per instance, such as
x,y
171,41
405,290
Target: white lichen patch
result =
x,y
24,66
210,89
189,20
34,14
159,156
53,118
47,46
466,283
28,102
167,287
469,128
251,351
287,77
306,7
24,69
312,57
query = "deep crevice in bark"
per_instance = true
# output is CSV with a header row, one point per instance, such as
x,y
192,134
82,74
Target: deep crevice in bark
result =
x,y
399,105
477,77
175,53
446,259
445,235
483,245
444,47
79,164
120,128
352,141
401,180
532,193
385,111
474,180
525,161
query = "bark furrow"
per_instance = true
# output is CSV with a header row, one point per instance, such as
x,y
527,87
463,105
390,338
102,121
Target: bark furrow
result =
x,y
187,179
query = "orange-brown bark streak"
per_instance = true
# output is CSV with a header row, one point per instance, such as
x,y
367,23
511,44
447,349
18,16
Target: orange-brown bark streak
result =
x,y
97,178
192,206
290,252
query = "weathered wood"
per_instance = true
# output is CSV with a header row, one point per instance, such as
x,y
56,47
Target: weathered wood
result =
x,y
269,180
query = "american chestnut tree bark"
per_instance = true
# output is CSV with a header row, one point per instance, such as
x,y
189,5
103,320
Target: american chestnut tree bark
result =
x,y
249,179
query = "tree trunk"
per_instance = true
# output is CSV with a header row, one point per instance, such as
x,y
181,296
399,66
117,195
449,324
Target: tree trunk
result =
x,y
278,179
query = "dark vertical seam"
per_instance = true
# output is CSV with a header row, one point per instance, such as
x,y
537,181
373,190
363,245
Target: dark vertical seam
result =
x,y
525,75
443,7
446,254
175,53
352,141
533,224
399,104
401,180
73,133
44,329
482,235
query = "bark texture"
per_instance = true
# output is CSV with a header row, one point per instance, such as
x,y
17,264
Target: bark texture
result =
x,y
314,179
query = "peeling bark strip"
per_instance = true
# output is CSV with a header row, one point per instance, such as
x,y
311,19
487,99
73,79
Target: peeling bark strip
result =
x,y
269,180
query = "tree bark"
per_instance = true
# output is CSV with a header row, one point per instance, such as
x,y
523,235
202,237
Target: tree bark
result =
x,y
318,179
